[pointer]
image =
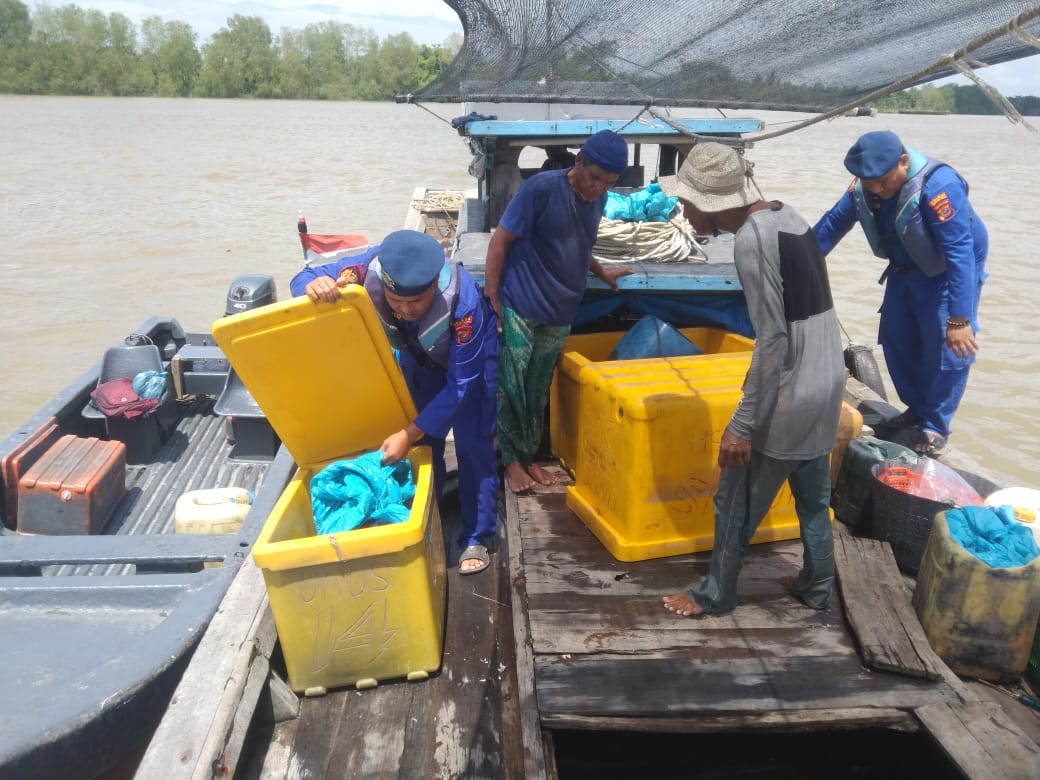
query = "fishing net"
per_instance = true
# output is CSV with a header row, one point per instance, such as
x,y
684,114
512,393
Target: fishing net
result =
x,y
802,55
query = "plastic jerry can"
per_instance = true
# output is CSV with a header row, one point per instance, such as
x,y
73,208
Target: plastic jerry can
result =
x,y
980,620
214,511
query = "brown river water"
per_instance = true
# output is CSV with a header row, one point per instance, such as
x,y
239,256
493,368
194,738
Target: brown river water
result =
x,y
112,210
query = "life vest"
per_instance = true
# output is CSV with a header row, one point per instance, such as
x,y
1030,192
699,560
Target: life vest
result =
x,y
434,337
910,226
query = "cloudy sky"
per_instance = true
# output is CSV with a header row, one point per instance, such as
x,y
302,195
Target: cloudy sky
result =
x,y
427,21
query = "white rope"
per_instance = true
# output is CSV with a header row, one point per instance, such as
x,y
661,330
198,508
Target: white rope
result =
x,y
621,241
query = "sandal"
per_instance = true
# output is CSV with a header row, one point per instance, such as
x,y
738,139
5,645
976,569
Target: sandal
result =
x,y
927,442
476,552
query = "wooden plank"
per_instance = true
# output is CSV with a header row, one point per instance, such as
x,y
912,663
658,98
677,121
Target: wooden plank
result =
x,y
461,722
981,740
538,761
205,722
879,609
842,718
645,686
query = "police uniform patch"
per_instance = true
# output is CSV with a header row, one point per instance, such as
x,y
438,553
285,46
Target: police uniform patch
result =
x,y
348,275
463,328
942,207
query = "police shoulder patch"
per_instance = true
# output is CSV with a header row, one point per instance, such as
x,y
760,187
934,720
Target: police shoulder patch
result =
x,y
348,275
942,207
463,328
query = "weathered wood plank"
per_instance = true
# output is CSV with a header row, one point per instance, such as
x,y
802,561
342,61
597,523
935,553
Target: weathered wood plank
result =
x,y
460,723
201,731
538,762
879,609
981,740
843,718
654,687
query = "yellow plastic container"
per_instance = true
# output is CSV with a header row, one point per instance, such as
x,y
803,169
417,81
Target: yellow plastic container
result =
x,y
850,426
980,620
588,349
647,449
360,606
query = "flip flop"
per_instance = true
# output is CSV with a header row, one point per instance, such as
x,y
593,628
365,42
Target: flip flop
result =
x,y
474,551
927,442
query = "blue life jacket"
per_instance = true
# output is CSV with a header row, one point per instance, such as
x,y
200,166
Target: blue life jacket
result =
x,y
434,337
910,226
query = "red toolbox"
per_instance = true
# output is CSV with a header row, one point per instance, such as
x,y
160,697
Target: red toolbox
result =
x,y
73,487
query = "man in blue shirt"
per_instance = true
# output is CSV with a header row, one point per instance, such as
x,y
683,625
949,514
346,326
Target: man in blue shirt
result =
x,y
434,314
915,213
538,261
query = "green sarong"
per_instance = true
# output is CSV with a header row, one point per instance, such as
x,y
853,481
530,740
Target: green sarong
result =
x,y
526,358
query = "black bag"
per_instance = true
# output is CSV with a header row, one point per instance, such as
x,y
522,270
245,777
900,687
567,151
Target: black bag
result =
x,y
851,492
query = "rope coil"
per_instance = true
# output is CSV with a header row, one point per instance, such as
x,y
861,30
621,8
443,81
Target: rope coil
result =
x,y
621,241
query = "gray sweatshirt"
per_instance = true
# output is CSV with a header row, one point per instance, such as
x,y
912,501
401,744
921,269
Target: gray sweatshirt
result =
x,y
794,387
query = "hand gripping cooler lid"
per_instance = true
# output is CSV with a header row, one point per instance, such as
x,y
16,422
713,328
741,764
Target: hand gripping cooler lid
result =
x,y
324,374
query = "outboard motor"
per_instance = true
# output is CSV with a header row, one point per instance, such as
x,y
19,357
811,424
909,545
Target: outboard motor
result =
x,y
250,291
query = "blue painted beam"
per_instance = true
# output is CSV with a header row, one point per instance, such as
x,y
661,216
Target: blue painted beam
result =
x,y
633,131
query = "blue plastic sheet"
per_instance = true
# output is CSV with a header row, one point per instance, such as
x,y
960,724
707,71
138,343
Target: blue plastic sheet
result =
x,y
150,384
992,535
652,337
350,493
646,205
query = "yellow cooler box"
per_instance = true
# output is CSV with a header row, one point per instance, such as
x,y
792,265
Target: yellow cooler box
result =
x,y
646,459
359,606
593,350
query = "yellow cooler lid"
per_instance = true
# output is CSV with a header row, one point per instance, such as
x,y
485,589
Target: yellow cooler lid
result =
x,y
323,373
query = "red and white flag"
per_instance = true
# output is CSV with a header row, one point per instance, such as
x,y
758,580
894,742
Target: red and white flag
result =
x,y
319,248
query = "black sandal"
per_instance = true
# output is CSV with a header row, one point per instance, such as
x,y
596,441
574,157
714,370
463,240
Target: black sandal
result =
x,y
928,442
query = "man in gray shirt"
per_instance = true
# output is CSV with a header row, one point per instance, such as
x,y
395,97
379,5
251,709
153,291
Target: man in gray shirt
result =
x,y
786,422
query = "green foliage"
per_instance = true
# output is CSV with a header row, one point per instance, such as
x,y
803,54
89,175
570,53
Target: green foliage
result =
x,y
72,51
951,99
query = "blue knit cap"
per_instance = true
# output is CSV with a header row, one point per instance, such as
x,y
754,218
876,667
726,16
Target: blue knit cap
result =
x,y
608,150
874,154
409,262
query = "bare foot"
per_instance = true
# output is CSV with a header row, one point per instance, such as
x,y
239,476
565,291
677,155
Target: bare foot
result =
x,y
541,475
517,478
682,604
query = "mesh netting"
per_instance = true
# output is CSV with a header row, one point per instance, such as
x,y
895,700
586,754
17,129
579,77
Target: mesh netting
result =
x,y
805,55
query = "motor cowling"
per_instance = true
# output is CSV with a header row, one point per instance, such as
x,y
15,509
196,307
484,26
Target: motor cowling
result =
x,y
250,291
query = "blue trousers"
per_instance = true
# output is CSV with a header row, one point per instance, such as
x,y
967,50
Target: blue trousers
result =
x,y
474,427
928,377
742,500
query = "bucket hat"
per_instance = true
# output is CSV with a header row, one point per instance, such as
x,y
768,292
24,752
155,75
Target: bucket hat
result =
x,y
713,178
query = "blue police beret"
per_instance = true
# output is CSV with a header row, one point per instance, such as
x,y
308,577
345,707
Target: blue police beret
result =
x,y
608,150
409,262
874,154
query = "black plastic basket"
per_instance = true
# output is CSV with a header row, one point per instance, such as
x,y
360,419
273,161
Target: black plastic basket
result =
x,y
902,519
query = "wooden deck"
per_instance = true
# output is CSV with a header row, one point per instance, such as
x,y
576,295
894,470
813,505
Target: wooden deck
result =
x,y
607,657
561,662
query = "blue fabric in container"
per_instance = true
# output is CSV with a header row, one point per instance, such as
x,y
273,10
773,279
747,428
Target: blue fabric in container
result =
x,y
992,535
652,337
150,384
350,493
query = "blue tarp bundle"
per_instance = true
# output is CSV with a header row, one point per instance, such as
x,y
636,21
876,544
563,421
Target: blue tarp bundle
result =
x,y
992,535
646,205
652,337
349,493
150,384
